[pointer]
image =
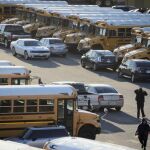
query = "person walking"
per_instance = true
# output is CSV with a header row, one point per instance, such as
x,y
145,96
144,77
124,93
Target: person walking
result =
x,y
140,99
40,81
142,132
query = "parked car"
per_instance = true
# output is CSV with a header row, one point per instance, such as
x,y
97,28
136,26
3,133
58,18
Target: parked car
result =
x,y
96,59
56,46
38,136
76,143
29,48
11,32
135,69
6,145
107,96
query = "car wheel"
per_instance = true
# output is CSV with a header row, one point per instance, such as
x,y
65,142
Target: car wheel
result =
x,y
94,67
133,78
26,56
6,43
118,108
14,52
82,64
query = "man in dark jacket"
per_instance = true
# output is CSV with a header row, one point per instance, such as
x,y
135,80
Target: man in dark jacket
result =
x,y
140,99
142,132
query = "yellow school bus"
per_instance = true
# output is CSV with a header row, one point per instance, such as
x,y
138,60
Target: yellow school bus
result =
x,y
138,36
72,39
7,10
48,23
110,34
8,7
44,105
14,75
141,53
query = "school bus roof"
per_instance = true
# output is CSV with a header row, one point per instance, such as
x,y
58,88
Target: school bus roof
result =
x,y
14,70
17,1
6,63
124,22
5,145
35,90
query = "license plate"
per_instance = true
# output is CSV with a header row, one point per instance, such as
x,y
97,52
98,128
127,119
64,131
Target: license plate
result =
x,y
148,71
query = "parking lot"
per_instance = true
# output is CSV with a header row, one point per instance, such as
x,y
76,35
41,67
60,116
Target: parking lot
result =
x,y
117,127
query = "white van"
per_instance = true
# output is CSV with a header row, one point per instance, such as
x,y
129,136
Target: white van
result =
x,y
8,145
76,143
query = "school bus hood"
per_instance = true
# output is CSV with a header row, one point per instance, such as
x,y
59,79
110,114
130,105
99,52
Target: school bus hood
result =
x,y
124,47
87,115
135,52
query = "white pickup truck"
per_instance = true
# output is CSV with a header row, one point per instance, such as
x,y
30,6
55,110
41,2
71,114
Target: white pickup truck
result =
x,y
95,96
86,100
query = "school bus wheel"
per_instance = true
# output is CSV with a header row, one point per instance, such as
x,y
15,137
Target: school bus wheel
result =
x,y
87,131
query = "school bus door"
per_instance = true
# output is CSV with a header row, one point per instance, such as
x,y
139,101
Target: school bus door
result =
x,y
65,113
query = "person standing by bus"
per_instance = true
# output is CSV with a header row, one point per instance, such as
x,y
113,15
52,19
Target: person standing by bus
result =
x,y
140,99
40,81
142,132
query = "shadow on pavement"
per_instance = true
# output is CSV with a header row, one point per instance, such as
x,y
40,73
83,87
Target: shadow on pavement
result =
x,y
120,117
113,75
42,63
109,128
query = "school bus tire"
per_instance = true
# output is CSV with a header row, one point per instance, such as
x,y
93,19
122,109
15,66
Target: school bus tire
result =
x,y
87,131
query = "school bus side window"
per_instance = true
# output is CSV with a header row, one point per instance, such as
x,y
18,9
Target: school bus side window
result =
x,y
3,81
5,106
18,106
7,10
46,105
121,32
18,81
31,105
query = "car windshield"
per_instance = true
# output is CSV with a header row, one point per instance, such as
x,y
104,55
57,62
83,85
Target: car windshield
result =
x,y
102,89
143,64
104,53
13,28
55,41
32,43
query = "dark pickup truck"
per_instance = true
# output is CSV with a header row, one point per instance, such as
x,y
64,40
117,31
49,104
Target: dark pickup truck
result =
x,y
38,136
11,32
